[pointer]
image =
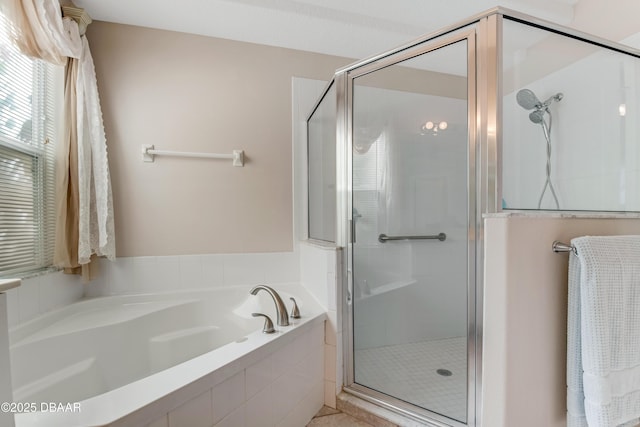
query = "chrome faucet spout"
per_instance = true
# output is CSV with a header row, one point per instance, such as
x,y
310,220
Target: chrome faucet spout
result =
x,y
281,309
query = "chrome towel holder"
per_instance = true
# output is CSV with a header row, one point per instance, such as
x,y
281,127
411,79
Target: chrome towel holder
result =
x,y
558,247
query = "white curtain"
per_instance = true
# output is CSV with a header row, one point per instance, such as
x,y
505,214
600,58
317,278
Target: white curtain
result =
x,y
96,232
40,31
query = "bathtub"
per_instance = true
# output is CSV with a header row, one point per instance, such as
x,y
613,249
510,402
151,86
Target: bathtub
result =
x,y
138,359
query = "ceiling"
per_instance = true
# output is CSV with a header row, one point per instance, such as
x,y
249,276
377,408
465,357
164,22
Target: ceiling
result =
x,y
349,28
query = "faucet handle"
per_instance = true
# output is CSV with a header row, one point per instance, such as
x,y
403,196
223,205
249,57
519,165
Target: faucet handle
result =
x,y
295,312
268,324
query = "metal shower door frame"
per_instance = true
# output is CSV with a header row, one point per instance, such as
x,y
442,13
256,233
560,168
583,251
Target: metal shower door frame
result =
x,y
485,108
481,41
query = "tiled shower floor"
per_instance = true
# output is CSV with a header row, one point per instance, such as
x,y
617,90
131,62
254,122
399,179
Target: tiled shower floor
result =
x,y
408,372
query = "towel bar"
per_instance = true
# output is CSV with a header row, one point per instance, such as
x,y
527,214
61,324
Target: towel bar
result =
x,y
558,246
149,151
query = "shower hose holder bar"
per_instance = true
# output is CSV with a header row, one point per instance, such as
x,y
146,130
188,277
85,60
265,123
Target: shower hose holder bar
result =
x,y
149,152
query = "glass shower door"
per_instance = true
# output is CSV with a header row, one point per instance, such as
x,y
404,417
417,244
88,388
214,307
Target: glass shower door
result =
x,y
410,223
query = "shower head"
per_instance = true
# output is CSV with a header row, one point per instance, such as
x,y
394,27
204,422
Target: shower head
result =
x,y
528,100
537,116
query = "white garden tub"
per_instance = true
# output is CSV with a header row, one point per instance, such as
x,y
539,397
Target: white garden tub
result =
x,y
127,360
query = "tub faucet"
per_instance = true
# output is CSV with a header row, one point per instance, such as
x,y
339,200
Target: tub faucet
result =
x,y
281,310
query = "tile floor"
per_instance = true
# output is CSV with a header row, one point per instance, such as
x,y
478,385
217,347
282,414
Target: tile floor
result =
x,y
409,372
329,417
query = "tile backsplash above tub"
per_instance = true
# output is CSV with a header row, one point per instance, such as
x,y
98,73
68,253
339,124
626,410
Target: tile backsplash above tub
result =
x,y
129,275
165,273
39,294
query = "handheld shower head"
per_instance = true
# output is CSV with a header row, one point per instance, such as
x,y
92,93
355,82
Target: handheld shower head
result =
x,y
537,116
528,100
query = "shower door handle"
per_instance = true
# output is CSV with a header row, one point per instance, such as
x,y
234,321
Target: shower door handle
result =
x,y
349,296
352,231
383,238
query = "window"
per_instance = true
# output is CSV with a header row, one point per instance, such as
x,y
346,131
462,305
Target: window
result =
x,y
28,117
321,140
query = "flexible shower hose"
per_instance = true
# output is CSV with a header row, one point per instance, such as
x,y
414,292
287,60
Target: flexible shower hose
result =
x,y
547,134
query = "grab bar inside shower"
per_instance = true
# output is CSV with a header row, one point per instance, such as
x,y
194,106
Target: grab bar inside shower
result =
x,y
383,238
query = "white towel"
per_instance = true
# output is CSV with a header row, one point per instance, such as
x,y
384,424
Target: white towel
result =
x,y
603,332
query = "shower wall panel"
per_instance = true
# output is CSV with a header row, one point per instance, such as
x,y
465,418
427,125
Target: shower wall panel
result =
x,y
595,155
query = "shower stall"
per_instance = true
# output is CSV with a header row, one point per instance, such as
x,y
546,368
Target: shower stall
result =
x,y
409,149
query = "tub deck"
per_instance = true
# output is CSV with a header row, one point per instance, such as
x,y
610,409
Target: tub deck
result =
x,y
126,352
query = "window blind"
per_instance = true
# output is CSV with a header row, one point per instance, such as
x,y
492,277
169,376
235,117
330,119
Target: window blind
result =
x,y
18,195
27,137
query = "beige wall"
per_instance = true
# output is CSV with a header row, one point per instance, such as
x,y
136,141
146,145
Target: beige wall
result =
x,y
525,316
191,93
